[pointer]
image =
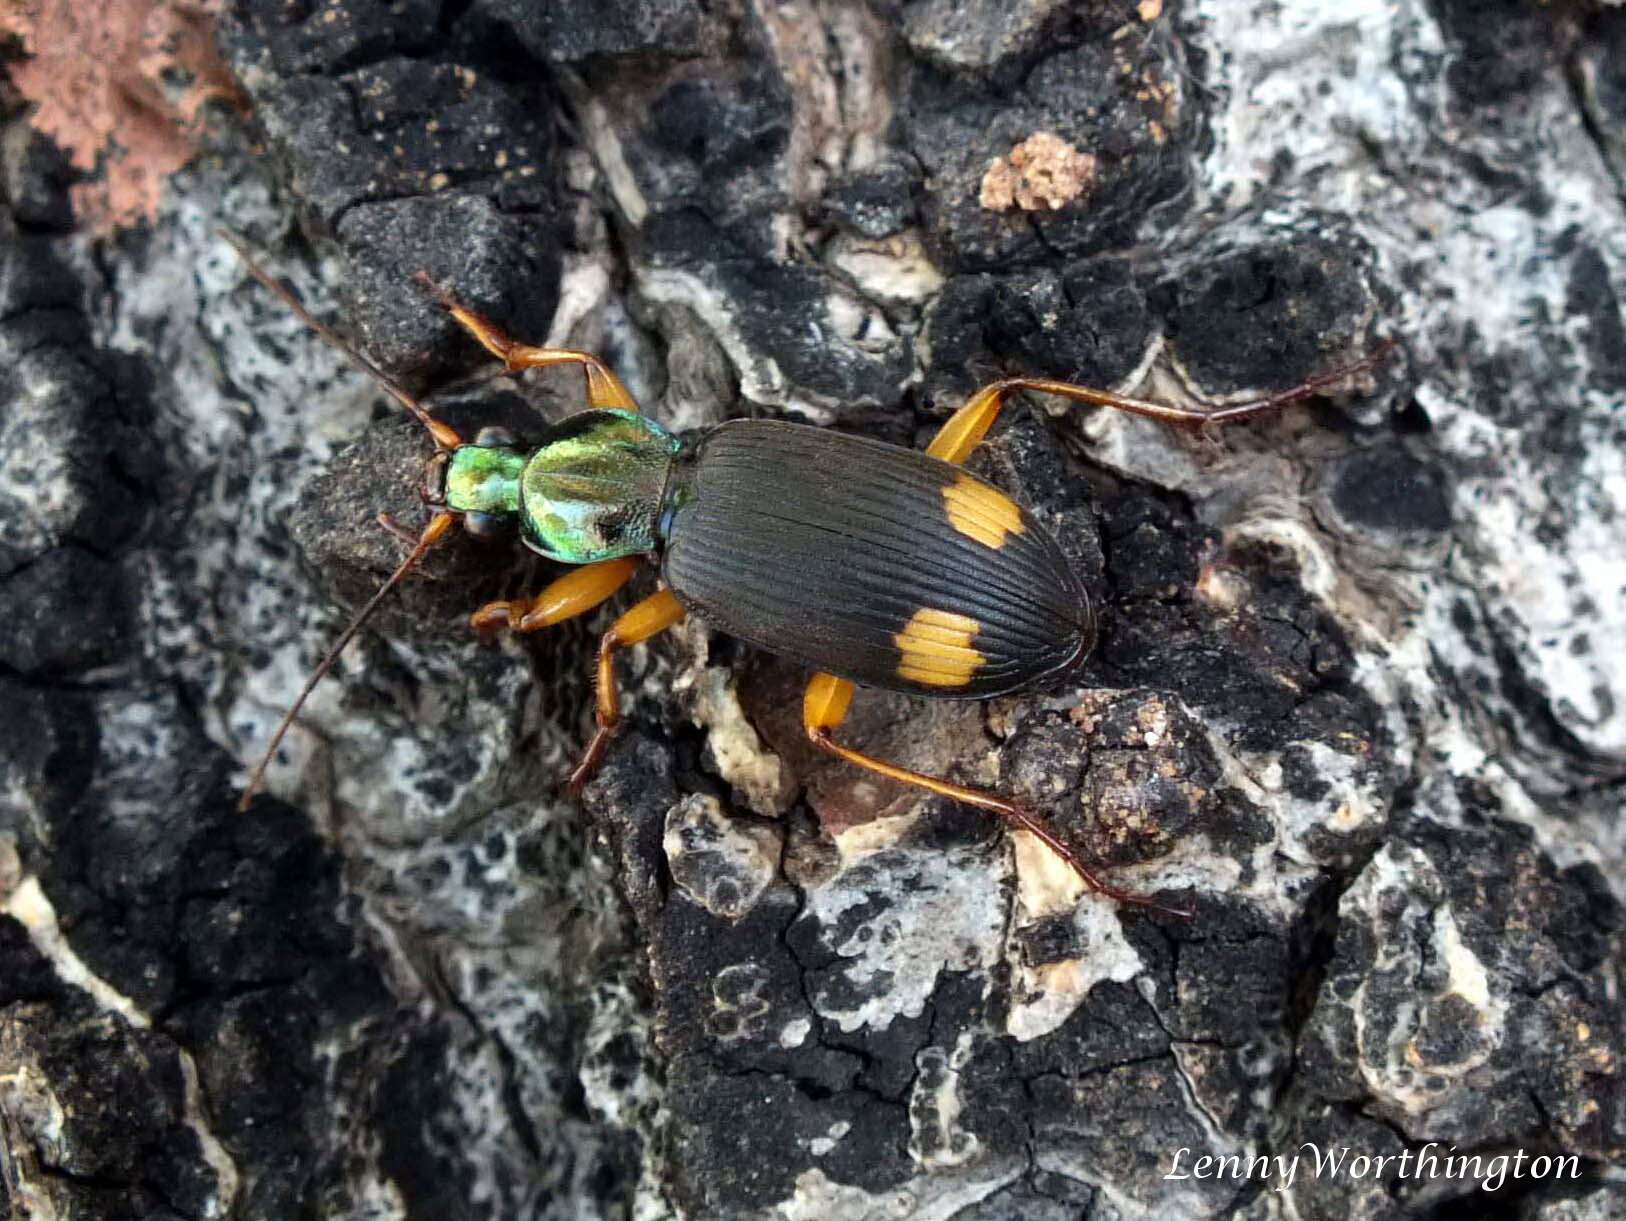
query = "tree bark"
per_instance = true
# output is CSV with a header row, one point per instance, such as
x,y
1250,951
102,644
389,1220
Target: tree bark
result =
x,y
1358,699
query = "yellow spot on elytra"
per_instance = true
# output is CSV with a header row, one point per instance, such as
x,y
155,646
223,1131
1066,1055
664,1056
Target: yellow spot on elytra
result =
x,y
936,648
981,512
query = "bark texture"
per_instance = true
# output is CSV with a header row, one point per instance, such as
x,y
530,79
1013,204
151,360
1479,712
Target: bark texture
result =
x,y
1359,698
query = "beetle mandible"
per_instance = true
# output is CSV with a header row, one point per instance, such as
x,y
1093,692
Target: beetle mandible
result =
x,y
872,564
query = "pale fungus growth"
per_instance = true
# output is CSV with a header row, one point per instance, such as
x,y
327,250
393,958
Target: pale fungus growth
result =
x,y
1042,172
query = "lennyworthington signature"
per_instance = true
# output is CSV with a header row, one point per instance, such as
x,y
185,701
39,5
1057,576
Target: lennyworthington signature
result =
x,y
1490,1170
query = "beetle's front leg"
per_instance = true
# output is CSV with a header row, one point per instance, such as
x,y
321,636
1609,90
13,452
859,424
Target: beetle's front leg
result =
x,y
604,388
575,593
825,707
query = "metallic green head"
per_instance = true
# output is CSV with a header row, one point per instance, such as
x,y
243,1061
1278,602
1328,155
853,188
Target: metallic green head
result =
x,y
592,490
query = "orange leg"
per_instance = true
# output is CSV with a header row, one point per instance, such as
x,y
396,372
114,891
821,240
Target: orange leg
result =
x,y
963,430
604,389
649,618
825,707
575,593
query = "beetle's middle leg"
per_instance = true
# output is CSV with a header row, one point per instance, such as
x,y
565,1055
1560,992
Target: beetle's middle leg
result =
x,y
576,593
825,707
963,430
649,618
604,388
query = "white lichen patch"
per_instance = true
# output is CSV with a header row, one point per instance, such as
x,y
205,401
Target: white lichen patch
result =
x,y
893,269
1423,985
1046,995
396,777
26,1092
761,378
28,906
861,840
621,1099
1564,604
376,1196
1536,542
584,287
795,1033
37,482
1466,974
933,912
858,324
1045,883
213,1153
721,863
27,1097
927,1197
823,1146
737,750
739,1008
1352,798
937,1139
603,137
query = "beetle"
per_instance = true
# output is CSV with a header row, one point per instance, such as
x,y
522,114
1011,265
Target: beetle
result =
x,y
872,564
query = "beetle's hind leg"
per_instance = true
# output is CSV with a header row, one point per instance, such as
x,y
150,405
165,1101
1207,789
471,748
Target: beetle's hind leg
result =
x,y
825,707
604,388
965,429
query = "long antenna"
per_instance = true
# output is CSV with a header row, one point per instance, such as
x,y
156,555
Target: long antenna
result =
x,y
445,437
438,525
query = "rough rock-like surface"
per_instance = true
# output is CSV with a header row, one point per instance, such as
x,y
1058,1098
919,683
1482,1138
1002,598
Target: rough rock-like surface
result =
x,y
1358,705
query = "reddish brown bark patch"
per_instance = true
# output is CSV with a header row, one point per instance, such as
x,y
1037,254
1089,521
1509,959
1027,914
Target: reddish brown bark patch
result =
x,y
119,87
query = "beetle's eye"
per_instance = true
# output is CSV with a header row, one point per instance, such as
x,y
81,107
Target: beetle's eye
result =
x,y
487,525
495,437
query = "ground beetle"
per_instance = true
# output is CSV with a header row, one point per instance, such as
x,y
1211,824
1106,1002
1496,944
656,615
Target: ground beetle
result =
x,y
872,564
